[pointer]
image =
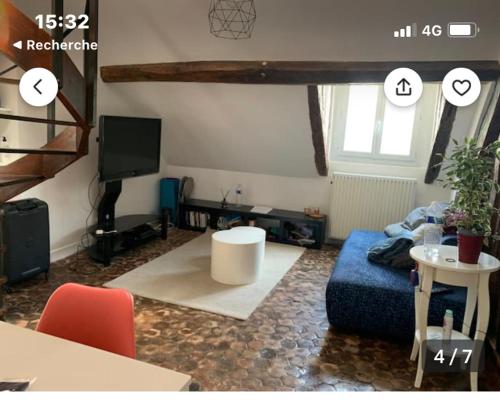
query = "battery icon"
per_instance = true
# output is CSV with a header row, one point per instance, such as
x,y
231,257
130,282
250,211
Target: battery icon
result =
x,y
462,30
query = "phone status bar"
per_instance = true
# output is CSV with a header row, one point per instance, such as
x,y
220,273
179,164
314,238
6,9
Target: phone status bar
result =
x,y
452,30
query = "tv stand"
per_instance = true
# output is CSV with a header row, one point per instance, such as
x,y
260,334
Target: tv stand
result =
x,y
116,235
106,209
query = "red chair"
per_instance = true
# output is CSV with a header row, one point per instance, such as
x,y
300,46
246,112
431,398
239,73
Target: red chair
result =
x,y
99,317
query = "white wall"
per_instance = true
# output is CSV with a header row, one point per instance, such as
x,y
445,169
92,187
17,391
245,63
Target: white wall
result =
x,y
289,193
248,129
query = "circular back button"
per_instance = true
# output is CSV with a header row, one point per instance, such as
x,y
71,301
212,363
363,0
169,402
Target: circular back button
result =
x,y
38,87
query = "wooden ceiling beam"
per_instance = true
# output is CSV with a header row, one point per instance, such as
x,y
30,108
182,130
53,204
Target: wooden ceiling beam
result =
x,y
288,72
318,138
493,131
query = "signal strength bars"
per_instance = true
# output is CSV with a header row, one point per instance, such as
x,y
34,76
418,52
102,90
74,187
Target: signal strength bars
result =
x,y
405,32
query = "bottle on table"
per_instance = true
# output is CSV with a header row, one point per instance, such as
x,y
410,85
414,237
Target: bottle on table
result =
x,y
447,325
433,230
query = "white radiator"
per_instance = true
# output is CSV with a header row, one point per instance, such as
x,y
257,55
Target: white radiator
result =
x,y
368,202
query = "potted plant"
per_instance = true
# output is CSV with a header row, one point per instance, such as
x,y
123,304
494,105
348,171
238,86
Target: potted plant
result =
x,y
469,171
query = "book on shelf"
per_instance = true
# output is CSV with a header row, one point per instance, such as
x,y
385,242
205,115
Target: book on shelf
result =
x,y
197,219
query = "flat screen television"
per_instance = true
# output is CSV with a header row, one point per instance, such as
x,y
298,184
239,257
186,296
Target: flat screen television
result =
x,y
128,147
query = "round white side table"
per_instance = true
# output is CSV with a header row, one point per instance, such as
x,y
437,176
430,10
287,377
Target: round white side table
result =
x,y
238,255
446,269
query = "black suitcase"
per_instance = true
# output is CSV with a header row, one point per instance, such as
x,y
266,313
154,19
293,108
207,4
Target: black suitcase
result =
x,y
24,240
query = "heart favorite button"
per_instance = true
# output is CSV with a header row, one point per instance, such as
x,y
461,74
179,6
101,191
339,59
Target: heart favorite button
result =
x,y
461,87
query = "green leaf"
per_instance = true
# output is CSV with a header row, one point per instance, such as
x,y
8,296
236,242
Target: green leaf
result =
x,y
469,172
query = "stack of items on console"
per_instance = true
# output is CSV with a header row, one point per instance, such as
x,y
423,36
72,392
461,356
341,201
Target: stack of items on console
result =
x,y
299,233
229,221
378,299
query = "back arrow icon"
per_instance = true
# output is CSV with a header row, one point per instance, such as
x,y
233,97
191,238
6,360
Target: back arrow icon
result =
x,y
35,86
38,86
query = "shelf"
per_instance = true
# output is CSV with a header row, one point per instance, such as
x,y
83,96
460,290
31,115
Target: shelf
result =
x,y
127,223
275,223
434,333
208,205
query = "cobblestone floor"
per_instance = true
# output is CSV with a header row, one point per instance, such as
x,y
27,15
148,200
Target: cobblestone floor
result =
x,y
285,345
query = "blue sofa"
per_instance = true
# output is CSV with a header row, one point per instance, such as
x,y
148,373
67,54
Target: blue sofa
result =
x,y
369,298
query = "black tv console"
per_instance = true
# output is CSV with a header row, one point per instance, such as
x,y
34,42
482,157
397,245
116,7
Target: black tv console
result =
x,y
282,226
114,236
129,232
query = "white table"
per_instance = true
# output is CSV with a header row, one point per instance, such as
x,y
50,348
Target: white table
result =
x,y
238,255
61,365
447,269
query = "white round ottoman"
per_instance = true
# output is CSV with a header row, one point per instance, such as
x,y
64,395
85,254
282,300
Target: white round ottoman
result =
x,y
238,255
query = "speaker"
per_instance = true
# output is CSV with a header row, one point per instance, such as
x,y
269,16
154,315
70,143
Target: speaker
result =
x,y
24,239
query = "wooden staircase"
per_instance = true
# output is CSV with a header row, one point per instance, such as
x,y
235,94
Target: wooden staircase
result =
x,y
77,93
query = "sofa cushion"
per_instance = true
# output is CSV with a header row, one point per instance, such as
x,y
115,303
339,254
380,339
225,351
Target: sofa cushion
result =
x,y
415,218
369,298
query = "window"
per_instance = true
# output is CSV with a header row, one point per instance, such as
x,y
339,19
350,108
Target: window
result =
x,y
361,118
367,126
397,130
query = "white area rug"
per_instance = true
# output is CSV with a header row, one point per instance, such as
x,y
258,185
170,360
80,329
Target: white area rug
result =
x,y
182,277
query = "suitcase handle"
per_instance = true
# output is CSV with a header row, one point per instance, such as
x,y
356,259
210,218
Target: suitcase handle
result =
x,y
26,205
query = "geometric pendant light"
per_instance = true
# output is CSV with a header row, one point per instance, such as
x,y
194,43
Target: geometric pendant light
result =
x,y
232,19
